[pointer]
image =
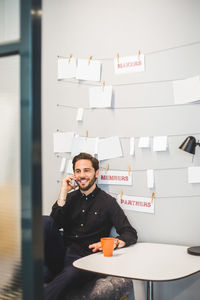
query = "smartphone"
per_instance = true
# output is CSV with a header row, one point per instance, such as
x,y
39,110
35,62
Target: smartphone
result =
x,y
74,183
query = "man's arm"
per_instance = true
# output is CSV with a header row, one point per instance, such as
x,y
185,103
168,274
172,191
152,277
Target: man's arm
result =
x,y
126,232
68,184
59,211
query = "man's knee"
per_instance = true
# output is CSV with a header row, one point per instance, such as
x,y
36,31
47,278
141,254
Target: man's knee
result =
x,y
51,229
47,220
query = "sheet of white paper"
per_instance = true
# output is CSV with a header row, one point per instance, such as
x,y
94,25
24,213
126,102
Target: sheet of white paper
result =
x,y
132,146
109,148
83,144
66,69
62,141
88,72
129,64
69,169
194,175
159,143
187,90
99,97
144,142
79,116
63,164
115,177
150,178
141,204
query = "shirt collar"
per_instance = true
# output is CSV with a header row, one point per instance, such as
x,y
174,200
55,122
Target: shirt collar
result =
x,y
91,195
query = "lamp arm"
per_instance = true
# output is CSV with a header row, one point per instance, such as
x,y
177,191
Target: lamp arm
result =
x,y
198,144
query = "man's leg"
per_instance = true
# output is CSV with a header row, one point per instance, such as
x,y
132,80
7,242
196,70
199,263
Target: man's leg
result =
x,y
69,277
54,251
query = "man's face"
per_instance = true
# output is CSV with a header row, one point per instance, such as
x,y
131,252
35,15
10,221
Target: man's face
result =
x,y
85,174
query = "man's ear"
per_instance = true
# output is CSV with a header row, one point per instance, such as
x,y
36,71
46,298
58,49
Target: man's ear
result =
x,y
97,174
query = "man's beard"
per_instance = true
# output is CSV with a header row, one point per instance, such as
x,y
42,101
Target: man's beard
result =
x,y
90,184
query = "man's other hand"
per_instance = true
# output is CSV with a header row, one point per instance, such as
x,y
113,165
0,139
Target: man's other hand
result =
x,y
95,247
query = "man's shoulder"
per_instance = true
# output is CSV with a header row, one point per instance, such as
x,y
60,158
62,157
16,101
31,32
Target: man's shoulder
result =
x,y
105,195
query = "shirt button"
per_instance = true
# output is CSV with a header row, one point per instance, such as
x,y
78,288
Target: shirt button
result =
x,y
83,210
86,198
81,225
76,235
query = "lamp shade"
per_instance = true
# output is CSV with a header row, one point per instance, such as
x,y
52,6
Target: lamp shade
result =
x,y
194,250
189,145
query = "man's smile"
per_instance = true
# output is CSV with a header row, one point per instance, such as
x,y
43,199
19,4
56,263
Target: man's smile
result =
x,y
83,180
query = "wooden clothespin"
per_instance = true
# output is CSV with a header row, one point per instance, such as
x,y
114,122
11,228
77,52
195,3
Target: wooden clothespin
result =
x,y
117,57
138,54
121,194
152,197
89,60
129,170
69,59
107,167
86,134
103,85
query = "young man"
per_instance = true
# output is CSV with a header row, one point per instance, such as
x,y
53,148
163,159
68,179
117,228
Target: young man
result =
x,y
86,213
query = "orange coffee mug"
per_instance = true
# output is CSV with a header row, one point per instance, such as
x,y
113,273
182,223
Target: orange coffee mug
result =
x,y
107,245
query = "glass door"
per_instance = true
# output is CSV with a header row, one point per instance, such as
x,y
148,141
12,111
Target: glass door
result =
x,y
21,251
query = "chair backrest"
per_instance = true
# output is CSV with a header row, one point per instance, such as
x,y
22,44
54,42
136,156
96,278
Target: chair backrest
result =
x,y
113,232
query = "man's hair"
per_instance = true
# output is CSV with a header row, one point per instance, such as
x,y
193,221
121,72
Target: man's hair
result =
x,y
82,155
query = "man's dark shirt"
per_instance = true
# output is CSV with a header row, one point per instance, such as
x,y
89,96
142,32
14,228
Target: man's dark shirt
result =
x,y
86,219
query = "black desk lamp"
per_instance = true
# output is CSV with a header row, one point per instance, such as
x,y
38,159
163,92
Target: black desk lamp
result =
x,y
189,146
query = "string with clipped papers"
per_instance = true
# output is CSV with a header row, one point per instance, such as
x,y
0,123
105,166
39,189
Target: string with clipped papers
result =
x,y
133,83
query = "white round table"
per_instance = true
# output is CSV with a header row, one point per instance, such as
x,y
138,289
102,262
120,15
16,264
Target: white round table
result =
x,y
144,261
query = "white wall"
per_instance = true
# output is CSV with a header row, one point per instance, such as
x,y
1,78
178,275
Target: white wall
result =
x,y
103,28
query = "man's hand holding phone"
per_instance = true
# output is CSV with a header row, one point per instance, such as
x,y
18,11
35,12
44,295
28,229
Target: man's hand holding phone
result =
x,y
68,184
